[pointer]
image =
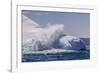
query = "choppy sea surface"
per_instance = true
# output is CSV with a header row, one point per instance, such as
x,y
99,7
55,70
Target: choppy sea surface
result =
x,y
40,57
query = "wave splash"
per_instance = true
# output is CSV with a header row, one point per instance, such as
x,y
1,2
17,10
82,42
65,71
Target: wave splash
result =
x,y
51,36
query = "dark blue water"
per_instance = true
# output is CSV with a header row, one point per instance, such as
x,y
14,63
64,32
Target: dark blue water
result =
x,y
81,55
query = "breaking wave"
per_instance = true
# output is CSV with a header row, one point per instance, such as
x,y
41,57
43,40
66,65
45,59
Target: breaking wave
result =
x,y
46,38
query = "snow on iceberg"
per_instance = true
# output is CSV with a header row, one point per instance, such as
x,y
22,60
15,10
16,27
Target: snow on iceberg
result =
x,y
71,42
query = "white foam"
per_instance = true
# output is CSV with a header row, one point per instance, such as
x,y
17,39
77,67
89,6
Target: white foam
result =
x,y
51,51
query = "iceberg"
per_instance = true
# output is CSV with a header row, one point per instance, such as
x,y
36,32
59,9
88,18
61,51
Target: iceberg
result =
x,y
71,42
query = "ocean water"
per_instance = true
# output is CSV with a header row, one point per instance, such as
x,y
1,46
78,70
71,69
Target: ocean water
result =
x,y
81,55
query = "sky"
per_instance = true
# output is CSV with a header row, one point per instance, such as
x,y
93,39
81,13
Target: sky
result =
x,y
75,24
